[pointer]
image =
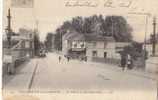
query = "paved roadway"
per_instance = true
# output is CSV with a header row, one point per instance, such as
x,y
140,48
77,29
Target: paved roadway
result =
x,y
48,74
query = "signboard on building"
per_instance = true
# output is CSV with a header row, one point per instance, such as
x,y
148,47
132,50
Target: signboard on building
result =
x,y
78,44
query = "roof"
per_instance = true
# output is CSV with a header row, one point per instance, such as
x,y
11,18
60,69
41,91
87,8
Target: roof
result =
x,y
74,36
96,37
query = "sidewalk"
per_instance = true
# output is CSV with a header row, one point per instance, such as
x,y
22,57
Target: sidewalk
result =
x,y
139,73
152,65
22,78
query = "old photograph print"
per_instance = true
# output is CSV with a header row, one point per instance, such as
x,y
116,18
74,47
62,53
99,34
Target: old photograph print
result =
x,y
103,47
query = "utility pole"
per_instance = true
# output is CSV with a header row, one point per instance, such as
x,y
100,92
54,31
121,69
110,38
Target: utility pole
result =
x,y
144,53
112,31
154,36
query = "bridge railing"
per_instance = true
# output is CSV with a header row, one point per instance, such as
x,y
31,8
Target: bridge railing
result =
x,y
15,56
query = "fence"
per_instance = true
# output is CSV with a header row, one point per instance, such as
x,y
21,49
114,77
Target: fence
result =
x,y
18,55
106,60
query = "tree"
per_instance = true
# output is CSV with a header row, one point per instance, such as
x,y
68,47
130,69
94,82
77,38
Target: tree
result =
x,y
58,37
48,41
135,49
36,43
87,26
77,24
117,27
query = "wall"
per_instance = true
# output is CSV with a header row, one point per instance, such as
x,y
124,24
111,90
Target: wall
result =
x,y
101,48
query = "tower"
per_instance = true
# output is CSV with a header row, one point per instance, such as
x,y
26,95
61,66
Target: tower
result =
x,y
8,29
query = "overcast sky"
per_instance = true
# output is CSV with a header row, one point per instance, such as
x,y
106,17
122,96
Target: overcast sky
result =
x,y
50,14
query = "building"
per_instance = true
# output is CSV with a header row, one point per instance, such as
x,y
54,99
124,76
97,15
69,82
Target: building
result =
x,y
92,46
99,47
74,44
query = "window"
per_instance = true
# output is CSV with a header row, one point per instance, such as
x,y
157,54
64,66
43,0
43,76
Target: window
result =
x,y
94,53
75,45
82,45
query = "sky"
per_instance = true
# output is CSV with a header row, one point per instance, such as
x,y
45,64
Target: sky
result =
x,y
50,14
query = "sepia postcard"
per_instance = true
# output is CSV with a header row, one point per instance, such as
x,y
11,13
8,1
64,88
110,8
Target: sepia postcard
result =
x,y
80,50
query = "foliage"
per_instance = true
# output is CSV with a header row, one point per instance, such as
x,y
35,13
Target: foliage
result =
x,y
135,50
48,41
115,26
118,27
36,43
58,41
152,38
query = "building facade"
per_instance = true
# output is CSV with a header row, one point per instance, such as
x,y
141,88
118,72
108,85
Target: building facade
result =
x,y
92,46
73,44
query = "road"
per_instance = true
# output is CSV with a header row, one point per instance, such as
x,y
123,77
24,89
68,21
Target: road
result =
x,y
50,74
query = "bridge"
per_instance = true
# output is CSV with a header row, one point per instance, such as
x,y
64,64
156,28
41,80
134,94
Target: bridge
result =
x,y
22,50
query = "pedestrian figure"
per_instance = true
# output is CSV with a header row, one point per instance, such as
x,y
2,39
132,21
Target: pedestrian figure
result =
x,y
59,58
68,58
123,61
86,58
129,61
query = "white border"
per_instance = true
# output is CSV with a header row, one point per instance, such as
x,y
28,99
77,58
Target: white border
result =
x,y
1,12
